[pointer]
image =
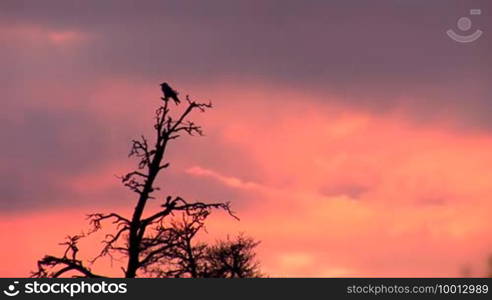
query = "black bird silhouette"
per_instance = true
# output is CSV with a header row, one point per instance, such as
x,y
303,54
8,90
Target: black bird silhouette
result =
x,y
169,93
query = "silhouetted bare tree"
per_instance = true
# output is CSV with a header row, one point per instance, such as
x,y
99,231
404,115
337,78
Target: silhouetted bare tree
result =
x,y
161,243
226,259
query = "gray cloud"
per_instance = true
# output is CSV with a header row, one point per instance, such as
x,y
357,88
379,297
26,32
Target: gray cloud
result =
x,y
369,53
42,148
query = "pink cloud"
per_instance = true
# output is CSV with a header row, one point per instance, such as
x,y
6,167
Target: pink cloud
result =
x,y
38,35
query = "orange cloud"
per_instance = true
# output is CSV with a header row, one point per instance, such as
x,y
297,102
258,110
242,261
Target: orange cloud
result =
x,y
335,182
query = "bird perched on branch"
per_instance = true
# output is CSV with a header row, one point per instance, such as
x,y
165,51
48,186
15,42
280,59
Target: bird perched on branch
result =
x,y
169,93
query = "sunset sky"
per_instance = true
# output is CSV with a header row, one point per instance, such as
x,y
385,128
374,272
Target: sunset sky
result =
x,y
353,138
